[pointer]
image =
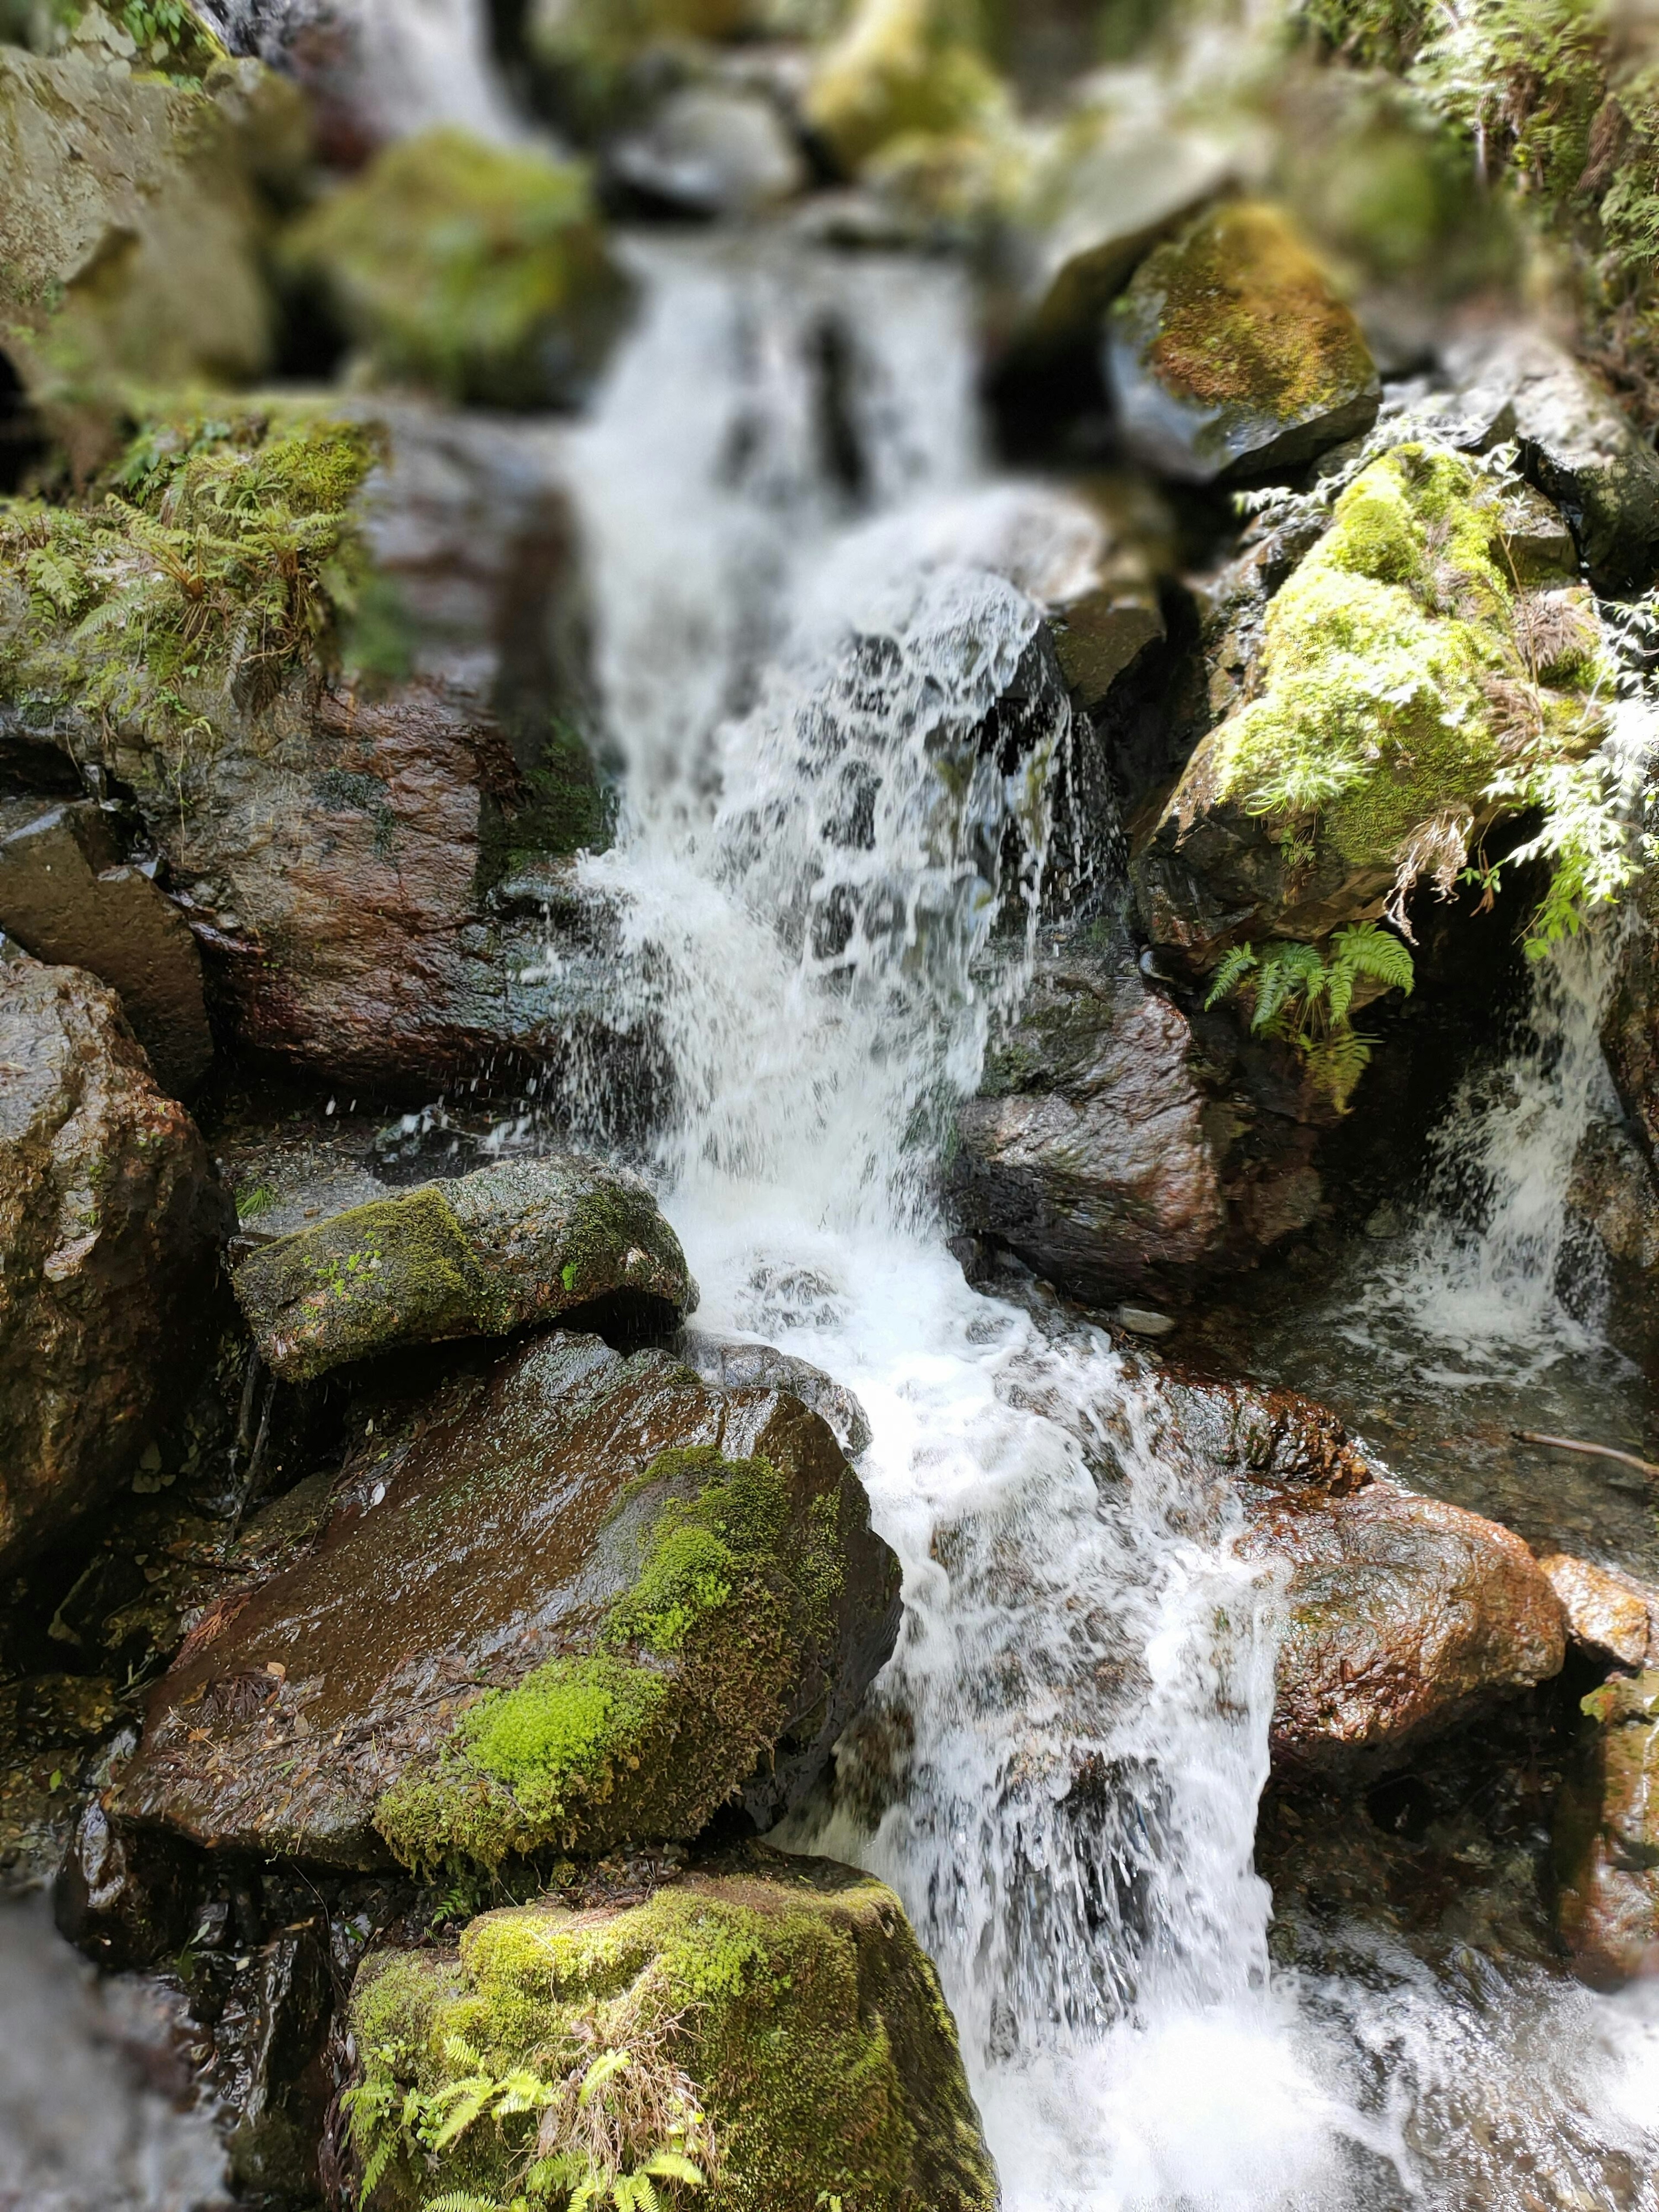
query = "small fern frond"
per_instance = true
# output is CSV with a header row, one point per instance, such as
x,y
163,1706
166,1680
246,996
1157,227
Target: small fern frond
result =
x,y
1370,951
1235,967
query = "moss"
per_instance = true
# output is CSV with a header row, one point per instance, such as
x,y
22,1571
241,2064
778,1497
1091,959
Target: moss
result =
x,y
1395,686
156,38
647,1735
790,1997
213,562
903,70
1246,318
478,270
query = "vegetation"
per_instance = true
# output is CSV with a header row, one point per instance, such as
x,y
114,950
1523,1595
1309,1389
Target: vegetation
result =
x,y
1305,996
162,36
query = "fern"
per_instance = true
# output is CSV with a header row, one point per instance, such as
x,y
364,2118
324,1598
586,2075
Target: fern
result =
x,y
1302,995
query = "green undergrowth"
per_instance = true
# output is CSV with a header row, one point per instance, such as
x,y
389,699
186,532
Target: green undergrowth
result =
x,y
160,37
647,1735
214,559
1414,686
1305,995
755,2040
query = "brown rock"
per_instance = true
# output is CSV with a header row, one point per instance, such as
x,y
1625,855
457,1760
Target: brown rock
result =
x,y
66,898
1612,1616
111,1223
1607,1835
495,1536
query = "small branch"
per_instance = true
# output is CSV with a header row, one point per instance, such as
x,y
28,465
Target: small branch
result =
x,y
1590,1451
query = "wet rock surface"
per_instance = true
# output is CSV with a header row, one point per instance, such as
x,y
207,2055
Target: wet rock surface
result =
x,y
538,1533
832,1987
1606,1838
112,1221
480,1255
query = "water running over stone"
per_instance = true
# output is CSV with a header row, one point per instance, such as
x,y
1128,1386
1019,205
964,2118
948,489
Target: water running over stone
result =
x,y
839,744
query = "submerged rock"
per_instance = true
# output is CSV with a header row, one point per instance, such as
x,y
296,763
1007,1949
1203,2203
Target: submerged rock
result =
x,y
1607,1835
67,898
1230,356
478,271
481,1256
575,1600
1403,668
779,2025
112,1220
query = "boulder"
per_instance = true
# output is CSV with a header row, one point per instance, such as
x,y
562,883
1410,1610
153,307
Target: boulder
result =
x,y
125,1900
1578,445
1230,355
477,270
1607,1835
1630,1037
67,898
1608,1614
1404,1616
573,1601
779,2026
1090,1150
736,1363
112,1220
712,150
366,806
1364,738
133,227
481,1256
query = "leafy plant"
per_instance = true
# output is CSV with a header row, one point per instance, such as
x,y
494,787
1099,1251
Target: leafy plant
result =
x,y
1299,993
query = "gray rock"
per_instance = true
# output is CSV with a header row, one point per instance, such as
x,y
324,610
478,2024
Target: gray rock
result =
x,y
480,1255
112,1220
67,899
734,1363
712,150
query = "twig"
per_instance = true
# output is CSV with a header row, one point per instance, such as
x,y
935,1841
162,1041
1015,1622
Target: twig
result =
x,y
1590,1451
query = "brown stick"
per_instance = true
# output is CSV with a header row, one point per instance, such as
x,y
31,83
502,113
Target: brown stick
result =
x,y
1590,1451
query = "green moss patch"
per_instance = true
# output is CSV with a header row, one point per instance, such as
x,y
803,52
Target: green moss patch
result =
x,y
775,2027
480,270
646,1735
901,71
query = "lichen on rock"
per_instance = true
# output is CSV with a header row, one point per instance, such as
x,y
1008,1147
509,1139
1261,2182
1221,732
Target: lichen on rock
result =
x,y
770,2019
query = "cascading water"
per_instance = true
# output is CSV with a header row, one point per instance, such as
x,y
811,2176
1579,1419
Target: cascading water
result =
x,y
824,881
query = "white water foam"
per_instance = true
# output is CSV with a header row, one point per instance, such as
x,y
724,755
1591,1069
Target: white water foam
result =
x,y
1060,1767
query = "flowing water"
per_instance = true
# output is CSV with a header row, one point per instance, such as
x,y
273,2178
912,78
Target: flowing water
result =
x,y
808,593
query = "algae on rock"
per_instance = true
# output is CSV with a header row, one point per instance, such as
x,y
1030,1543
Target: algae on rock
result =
x,y
769,2021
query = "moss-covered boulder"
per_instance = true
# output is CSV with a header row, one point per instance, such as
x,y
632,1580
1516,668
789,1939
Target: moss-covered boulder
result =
x,y
1607,1834
132,229
1230,356
769,2023
335,651
483,1255
478,271
1430,648
571,1602
902,71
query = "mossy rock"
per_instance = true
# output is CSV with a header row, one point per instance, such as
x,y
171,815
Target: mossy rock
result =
x,y
1432,639
572,1602
479,271
784,2003
1231,356
488,1253
1607,1834
902,71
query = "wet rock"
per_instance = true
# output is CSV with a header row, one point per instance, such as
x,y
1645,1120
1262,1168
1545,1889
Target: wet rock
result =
x,y
112,1220
67,898
737,1363
130,208
575,1600
1611,1189
373,850
477,271
126,1899
1089,1150
1611,1615
271,2041
1607,1835
1358,752
833,1991
1405,1615
1606,1181
483,1255
51,1730
712,150
1229,355
1578,445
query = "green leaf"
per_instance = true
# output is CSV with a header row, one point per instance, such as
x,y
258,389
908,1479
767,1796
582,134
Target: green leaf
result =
x,y
1235,967
607,2064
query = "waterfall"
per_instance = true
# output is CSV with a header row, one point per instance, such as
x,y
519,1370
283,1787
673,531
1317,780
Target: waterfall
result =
x,y
807,591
